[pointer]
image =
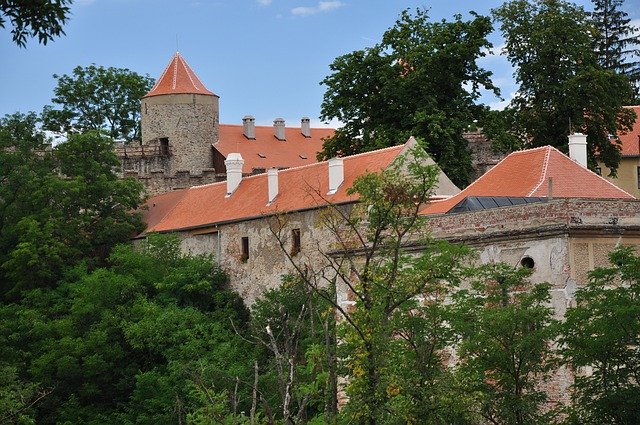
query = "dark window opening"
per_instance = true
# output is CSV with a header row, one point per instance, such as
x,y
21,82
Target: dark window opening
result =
x,y
527,262
164,146
245,249
295,245
638,174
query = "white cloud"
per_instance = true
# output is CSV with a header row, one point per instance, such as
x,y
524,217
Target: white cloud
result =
x,y
322,6
500,105
265,2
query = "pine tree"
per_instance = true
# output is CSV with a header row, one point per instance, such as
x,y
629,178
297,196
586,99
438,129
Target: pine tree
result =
x,y
617,42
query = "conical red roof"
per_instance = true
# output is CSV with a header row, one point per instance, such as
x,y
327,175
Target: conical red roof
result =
x,y
178,78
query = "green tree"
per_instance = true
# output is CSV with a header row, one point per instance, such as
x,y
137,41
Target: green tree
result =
x,y
617,42
421,80
41,18
58,206
392,338
506,330
601,338
98,98
296,328
562,86
128,343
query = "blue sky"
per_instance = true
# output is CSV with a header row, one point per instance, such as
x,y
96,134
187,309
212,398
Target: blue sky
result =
x,y
262,57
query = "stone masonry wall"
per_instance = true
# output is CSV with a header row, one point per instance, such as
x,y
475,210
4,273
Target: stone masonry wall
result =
x,y
189,121
157,181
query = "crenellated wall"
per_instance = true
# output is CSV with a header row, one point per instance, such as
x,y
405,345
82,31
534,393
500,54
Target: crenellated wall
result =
x,y
159,181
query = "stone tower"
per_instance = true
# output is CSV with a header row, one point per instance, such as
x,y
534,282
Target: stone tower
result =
x,y
179,118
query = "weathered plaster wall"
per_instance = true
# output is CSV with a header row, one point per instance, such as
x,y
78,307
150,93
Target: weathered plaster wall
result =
x,y
267,261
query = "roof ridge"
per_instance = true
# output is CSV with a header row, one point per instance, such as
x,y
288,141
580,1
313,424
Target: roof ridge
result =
x,y
473,183
290,169
270,126
598,175
189,72
172,80
545,166
159,80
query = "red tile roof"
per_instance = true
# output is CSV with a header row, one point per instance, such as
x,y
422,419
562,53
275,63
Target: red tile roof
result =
x,y
178,78
526,173
299,188
631,140
266,151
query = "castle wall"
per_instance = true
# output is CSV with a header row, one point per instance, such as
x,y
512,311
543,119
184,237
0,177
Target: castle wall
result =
x,y
483,157
158,181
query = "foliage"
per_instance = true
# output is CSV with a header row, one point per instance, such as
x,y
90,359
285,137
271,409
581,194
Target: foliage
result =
x,y
394,332
296,328
617,42
421,80
601,337
43,19
58,206
98,98
128,343
17,398
506,328
562,86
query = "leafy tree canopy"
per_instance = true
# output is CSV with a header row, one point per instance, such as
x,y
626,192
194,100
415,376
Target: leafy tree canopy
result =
x,y
422,79
127,343
505,328
601,338
58,206
36,18
562,86
98,98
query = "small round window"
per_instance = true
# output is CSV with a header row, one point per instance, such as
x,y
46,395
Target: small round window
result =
x,y
527,262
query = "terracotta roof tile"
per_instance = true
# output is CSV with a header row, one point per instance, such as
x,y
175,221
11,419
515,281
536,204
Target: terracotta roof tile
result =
x,y
299,188
266,151
178,78
526,173
631,140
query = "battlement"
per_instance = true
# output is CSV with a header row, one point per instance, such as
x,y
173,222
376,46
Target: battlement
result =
x,y
159,181
141,151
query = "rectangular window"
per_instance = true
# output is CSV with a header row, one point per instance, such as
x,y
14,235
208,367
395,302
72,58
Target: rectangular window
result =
x,y
164,146
245,249
638,173
295,244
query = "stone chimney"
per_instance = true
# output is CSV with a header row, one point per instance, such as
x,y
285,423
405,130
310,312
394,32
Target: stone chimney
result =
x,y
249,127
336,174
272,179
278,128
578,148
305,126
234,163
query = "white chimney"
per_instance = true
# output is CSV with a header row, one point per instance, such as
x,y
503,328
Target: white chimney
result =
x,y
578,148
278,128
249,127
234,163
272,179
305,126
336,174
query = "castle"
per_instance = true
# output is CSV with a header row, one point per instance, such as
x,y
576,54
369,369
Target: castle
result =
x,y
183,143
